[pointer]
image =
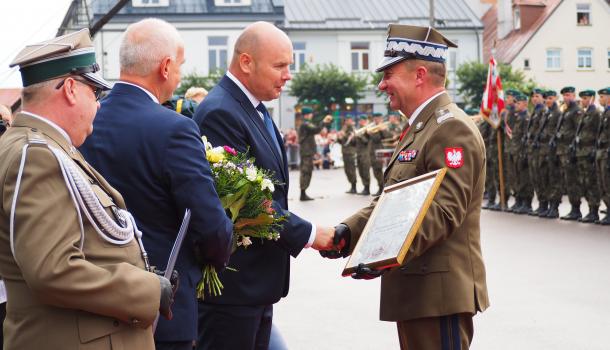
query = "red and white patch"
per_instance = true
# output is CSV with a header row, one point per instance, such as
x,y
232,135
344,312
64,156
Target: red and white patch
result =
x,y
454,157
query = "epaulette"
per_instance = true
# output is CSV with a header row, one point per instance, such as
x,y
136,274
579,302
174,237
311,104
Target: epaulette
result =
x,y
35,138
442,115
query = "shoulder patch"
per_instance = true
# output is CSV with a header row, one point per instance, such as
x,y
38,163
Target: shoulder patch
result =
x,y
36,138
442,115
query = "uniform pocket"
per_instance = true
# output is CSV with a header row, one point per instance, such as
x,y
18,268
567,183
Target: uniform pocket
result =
x,y
440,264
95,328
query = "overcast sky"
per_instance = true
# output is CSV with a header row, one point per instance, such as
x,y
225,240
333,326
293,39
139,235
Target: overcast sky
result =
x,y
25,22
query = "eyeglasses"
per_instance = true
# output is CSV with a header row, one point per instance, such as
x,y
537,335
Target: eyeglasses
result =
x,y
97,91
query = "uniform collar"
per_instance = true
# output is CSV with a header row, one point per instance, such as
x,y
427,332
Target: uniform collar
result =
x,y
255,101
422,106
48,127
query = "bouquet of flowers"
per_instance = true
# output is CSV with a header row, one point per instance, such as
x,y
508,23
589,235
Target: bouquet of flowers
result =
x,y
245,193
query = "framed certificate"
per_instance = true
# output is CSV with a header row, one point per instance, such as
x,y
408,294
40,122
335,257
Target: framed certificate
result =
x,y
394,222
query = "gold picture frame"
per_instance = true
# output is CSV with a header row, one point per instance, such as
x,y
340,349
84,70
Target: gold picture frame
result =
x,y
394,222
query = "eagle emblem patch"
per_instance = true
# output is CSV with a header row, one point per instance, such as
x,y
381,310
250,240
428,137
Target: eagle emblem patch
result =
x,y
454,157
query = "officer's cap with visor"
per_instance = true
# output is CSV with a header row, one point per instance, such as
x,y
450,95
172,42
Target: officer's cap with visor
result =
x,y
70,54
413,42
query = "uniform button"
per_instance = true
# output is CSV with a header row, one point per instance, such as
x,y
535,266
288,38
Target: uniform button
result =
x,y
116,323
34,129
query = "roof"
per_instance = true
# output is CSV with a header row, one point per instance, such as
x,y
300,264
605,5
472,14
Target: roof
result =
x,y
376,14
9,96
510,46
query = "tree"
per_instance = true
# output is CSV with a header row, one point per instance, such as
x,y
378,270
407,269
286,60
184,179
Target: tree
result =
x,y
472,76
206,82
327,84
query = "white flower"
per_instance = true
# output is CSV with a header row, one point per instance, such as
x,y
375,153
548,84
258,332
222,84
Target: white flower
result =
x,y
267,184
245,241
251,174
208,146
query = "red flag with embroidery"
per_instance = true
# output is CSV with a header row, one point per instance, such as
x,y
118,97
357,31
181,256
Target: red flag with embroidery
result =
x,y
493,97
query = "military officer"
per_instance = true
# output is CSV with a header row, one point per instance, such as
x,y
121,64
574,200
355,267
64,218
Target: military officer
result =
x,y
525,191
603,150
435,293
550,166
533,150
566,131
508,118
377,134
307,147
362,155
345,137
70,254
586,134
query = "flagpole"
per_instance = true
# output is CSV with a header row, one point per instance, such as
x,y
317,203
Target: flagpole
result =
x,y
499,140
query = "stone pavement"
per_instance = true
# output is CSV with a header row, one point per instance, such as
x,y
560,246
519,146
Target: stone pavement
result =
x,y
548,282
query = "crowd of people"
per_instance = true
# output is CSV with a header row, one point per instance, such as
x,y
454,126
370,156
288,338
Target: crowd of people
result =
x,y
554,149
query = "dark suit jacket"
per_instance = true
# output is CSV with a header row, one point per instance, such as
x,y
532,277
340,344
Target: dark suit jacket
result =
x,y
227,117
156,159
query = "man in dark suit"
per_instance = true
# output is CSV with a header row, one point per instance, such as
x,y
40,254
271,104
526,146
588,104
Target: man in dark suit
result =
x,y
233,114
156,159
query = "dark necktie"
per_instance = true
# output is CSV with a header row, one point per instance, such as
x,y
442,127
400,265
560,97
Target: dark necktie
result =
x,y
269,125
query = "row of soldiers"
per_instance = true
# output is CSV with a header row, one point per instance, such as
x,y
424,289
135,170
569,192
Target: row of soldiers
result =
x,y
359,146
551,151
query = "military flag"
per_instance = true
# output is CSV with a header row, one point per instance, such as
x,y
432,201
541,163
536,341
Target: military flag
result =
x,y
493,97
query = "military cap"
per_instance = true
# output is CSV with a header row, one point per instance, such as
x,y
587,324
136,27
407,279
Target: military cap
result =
x,y
306,110
349,116
567,89
363,116
537,91
70,54
521,97
394,113
548,93
413,42
512,92
589,93
377,114
604,91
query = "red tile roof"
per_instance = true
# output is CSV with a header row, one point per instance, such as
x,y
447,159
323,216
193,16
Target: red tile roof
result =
x,y
9,96
508,48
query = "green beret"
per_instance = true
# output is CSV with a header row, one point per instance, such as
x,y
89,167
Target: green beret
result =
x,y
589,93
349,116
306,110
537,91
521,97
568,89
364,116
548,93
377,114
394,113
512,92
604,91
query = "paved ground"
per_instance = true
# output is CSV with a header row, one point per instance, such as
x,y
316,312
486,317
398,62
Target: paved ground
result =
x,y
548,283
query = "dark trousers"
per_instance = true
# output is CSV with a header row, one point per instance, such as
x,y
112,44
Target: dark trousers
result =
x,y
233,327
451,332
180,345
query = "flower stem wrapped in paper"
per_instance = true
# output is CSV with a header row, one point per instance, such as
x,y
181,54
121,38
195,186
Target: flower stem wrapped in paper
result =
x,y
245,193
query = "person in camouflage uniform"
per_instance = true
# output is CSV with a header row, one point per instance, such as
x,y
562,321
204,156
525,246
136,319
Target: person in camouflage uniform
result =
x,y
395,126
525,191
603,151
307,147
490,174
345,137
549,166
362,155
375,143
533,151
508,122
586,134
566,131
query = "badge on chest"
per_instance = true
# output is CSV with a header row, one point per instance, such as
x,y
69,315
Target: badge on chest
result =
x,y
408,155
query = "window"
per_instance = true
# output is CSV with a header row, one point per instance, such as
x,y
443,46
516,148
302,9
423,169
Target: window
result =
x,y
298,56
217,53
553,59
232,2
583,14
360,56
585,58
517,19
526,63
149,3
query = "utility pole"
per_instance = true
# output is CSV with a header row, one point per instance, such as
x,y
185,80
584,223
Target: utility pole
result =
x,y
431,13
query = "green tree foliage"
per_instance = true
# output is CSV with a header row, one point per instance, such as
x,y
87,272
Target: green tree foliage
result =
x,y
206,82
472,76
327,84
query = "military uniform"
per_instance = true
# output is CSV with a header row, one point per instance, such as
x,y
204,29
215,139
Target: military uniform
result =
x,y
375,143
442,281
533,157
307,149
601,158
510,118
348,151
585,157
490,175
364,161
518,152
551,186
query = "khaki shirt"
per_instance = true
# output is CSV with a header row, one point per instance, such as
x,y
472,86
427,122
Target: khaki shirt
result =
x,y
443,272
62,296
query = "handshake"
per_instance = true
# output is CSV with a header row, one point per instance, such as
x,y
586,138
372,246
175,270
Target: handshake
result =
x,y
335,243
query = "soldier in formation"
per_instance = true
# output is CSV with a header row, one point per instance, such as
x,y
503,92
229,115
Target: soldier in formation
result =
x,y
345,137
307,147
362,155
377,133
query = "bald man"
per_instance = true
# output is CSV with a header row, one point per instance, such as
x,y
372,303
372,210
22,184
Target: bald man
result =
x,y
233,114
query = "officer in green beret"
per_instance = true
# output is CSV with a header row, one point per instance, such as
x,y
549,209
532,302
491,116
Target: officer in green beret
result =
x,y
584,141
377,133
549,165
362,154
564,137
486,131
73,261
532,129
307,147
603,151
518,152
345,137
508,116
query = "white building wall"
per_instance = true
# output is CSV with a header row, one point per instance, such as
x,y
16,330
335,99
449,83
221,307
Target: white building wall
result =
x,y
561,31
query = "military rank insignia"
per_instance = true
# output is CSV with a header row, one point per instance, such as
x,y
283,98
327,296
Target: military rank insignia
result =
x,y
454,157
407,155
